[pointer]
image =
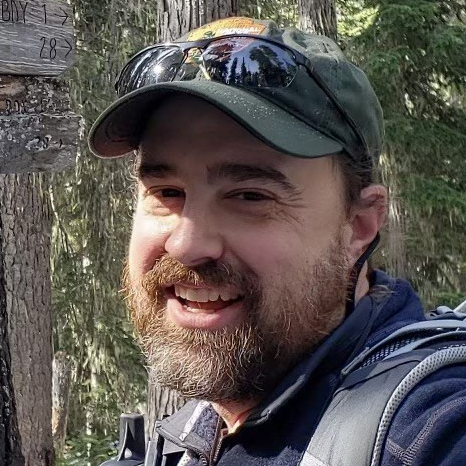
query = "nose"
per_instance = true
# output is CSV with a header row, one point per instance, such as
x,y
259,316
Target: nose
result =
x,y
194,241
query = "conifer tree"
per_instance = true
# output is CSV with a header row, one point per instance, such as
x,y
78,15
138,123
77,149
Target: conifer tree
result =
x,y
413,55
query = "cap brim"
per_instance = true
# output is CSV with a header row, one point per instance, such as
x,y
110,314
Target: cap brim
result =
x,y
118,129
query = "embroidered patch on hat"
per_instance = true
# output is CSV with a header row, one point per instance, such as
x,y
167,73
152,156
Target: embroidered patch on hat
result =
x,y
223,27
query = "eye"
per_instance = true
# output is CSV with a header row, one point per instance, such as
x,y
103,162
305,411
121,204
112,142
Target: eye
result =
x,y
162,193
170,192
252,196
163,200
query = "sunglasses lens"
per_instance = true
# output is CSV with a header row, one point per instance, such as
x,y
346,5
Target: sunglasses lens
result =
x,y
249,62
153,66
239,61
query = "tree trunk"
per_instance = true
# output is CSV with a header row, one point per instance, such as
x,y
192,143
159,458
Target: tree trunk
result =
x,y
318,16
10,445
60,398
395,244
175,18
26,239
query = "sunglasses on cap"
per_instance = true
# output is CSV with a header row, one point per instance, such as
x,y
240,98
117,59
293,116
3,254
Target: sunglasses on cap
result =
x,y
248,61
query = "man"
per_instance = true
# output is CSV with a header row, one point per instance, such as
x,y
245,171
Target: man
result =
x,y
247,272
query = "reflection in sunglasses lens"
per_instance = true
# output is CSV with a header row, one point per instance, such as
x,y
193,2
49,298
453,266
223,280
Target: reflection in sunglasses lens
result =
x,y
151,67
249,63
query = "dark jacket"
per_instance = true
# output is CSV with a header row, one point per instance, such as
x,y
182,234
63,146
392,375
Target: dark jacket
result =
x,y
429,428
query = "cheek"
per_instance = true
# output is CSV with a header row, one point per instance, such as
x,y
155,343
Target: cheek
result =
x,y
322,224
147,242
278,251
267,251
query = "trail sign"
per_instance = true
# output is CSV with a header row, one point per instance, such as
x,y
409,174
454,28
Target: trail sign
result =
x,y
38,131
36,37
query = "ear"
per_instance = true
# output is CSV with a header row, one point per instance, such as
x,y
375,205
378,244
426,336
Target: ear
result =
x,y
367,219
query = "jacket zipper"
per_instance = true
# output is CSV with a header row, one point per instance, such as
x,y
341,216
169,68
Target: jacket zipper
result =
x,y
217,442
217,451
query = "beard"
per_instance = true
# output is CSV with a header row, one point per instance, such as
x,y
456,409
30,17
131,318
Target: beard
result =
x,y
283,320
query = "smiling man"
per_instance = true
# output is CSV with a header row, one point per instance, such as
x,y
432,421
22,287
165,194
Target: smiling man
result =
x,y
247,275
250,244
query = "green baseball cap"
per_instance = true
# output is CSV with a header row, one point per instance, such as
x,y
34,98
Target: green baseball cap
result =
x,y
328,107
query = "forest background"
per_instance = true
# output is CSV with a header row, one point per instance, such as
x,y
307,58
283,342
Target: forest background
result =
x,y
414,53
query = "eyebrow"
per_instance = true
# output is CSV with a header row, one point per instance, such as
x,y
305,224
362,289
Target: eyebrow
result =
x,y
157,170
245,172
231,171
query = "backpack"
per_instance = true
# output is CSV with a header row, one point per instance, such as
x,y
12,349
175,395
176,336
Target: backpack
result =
x,y
374,385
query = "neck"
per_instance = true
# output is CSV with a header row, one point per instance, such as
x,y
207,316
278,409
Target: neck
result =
x,y
234,413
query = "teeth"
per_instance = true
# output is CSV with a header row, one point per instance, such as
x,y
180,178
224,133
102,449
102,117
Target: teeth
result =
x,y
191,295
200,296
225,295
180,291
203,295
213,295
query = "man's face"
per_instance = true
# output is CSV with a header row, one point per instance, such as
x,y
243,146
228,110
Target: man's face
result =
x,y
238,263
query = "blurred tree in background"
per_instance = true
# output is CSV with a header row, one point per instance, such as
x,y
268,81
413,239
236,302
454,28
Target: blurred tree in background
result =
x,y
93,207
413,53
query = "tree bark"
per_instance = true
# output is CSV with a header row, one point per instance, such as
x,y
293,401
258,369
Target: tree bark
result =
x,y
38,131
10,445
26,238
175,18
318,16
60,398
395,243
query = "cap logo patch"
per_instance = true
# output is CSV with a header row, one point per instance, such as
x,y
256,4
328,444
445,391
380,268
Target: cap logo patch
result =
x,y
225,27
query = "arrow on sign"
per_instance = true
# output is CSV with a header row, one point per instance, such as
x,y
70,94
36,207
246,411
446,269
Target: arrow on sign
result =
x,y
70,47
63,16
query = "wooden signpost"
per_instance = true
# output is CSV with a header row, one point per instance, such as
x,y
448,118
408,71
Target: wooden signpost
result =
x,y
38,131
36,37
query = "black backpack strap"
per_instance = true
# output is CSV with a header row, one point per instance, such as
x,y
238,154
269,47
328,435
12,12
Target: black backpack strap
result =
x,y
162,452
354,427
131,448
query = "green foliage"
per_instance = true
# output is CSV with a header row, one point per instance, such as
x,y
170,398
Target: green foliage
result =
x,y
412,52
85,450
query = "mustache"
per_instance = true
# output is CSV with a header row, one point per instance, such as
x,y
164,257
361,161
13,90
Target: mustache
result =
x,y
168,271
